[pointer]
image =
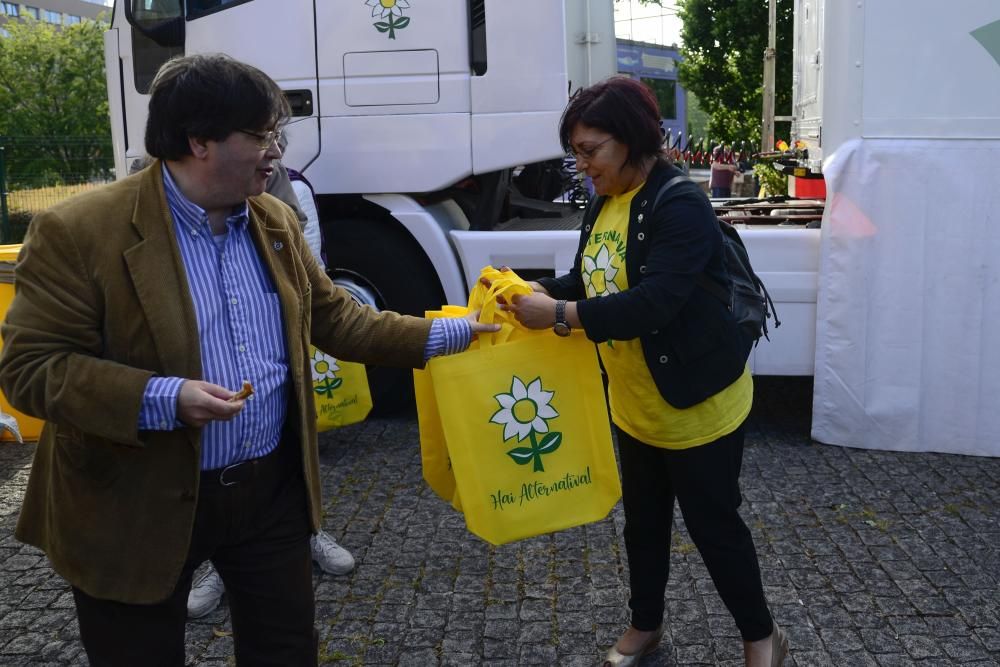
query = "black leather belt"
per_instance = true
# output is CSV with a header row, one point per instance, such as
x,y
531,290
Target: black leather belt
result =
x,y
242,472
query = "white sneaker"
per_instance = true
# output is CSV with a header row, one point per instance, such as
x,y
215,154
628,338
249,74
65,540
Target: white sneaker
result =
x,y
330,556
206,593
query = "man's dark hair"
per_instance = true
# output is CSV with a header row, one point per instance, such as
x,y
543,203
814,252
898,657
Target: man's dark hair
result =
x,y
209,97
624,108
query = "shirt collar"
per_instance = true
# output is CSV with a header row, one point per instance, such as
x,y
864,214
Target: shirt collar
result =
x,y
192,217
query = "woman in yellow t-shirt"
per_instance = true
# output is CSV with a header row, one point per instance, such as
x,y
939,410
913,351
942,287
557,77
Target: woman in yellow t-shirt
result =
x,y
678,383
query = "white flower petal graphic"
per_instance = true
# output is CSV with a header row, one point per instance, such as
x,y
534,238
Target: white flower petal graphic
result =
x,y
603,257
522,430
505,400
547,412
510,430
502,417
589,264
610,273
517,389
323,366
534,389
612,288
535,409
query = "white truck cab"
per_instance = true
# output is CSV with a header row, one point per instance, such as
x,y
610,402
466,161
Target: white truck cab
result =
x,y
410,118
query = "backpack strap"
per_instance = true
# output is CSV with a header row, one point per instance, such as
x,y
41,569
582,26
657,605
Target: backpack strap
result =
x,y
709,285
676,180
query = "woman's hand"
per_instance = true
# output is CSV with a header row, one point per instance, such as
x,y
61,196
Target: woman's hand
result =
x,y
535,311
531,283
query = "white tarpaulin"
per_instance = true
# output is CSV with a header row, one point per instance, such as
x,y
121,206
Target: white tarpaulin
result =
x,y
908,312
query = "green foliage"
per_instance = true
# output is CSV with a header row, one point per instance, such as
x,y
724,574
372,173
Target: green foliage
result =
x,y
723,48
697,118
52,85
772,181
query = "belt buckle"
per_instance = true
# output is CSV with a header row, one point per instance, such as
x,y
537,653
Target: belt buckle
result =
x,y
230,468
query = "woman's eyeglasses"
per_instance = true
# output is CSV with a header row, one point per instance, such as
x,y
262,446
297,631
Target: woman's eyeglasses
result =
x,y
588,153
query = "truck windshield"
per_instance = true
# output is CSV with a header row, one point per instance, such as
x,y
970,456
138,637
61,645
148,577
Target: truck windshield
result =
x,y
157,36
150,14
196,8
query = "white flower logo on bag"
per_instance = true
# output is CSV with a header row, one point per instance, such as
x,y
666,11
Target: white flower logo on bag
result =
x,y
391,11
599,273
324,373
523,413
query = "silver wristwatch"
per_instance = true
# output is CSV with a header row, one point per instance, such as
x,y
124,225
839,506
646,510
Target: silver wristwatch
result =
x,y
561,327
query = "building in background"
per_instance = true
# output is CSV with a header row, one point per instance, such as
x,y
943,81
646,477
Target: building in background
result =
x,y
656,66
56,12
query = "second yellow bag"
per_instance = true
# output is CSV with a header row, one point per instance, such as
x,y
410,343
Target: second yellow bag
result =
x,y
340,391
527,432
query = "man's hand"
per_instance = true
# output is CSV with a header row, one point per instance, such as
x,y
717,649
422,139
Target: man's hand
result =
x,y
201,402
478,327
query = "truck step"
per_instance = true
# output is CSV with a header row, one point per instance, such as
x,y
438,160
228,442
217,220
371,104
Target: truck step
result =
x,y
569,222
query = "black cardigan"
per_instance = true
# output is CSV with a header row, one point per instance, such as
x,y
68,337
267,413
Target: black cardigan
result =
x,y
691,343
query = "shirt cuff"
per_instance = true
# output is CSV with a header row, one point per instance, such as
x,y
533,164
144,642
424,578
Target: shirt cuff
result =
x,y
159,404
448,335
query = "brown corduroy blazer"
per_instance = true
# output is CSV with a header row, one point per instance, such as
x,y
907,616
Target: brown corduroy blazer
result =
x,y
102,305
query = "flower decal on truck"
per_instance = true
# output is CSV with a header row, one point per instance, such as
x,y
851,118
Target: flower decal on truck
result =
x,y
523,413
324,373
391,13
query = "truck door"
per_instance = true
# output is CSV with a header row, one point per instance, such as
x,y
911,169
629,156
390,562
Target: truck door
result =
x,y
277,36
393,94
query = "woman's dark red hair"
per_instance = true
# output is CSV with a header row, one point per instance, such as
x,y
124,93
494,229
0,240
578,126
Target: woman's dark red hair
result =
x,y
624,108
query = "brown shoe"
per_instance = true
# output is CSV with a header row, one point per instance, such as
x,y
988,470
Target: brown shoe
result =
x,y
616,658
779,646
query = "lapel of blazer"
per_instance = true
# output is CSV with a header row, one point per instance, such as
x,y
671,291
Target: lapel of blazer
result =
x,y
274,244
161,286
160,281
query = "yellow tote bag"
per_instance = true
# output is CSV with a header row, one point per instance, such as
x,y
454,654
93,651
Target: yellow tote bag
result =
x,y
340,391
435,461
527,432
434,457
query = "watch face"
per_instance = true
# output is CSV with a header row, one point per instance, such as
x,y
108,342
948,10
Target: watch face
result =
x,y
561,328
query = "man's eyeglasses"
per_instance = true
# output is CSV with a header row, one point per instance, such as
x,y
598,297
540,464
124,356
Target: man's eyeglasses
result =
x,y
264,139
588,153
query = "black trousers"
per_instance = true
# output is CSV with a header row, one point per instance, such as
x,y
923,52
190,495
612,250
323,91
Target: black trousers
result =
x,y
705,482
256,533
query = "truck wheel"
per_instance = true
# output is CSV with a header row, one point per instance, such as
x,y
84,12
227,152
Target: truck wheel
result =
x,y
381,266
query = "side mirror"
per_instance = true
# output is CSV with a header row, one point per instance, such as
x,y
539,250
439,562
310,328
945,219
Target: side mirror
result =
x,y
160,20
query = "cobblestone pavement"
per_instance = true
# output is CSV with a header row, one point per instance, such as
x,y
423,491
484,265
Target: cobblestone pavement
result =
x,y
868,558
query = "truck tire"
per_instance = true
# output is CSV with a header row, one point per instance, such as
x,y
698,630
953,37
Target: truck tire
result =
x,y
381,265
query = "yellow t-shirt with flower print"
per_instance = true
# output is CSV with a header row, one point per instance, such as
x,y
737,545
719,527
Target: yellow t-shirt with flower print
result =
x,y
636,404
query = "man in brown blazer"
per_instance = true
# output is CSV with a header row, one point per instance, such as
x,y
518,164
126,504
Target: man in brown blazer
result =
x,y
140,308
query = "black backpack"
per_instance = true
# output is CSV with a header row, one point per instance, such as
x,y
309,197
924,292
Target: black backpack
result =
x,y
745,295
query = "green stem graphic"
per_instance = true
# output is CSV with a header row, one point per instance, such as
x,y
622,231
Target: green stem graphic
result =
x,y
536,455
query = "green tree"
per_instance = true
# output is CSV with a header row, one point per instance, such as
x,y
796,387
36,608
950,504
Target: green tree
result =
x,y
723,49
52,85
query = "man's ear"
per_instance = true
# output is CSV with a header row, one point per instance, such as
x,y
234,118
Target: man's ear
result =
x,y
199,147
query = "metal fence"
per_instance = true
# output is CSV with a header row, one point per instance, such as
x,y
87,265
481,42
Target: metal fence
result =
x,y
37,172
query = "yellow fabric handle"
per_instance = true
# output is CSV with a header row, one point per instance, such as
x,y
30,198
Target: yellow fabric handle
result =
x,y
503,284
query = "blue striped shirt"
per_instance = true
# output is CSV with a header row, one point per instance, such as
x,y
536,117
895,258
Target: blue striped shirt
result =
x,y
242,335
